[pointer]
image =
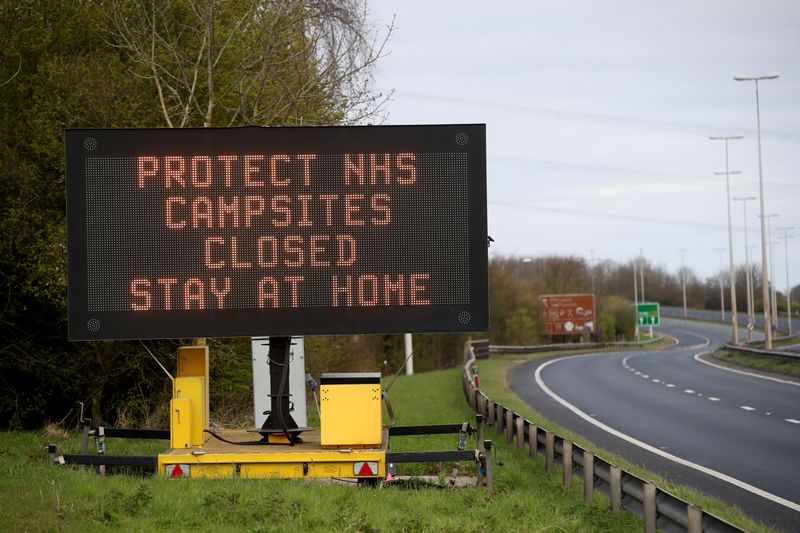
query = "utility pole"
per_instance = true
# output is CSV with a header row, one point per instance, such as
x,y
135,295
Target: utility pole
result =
x,y
728,172
786,238
721,284
641,273
635,301
748,274
683,280
773,292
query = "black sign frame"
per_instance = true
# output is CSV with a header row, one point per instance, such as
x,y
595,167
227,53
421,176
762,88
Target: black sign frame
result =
x,y
85,146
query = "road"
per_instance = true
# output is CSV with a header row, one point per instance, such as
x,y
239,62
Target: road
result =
x,y
741,318
732,435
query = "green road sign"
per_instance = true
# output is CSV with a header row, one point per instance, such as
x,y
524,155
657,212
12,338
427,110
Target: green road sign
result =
x,y
648,314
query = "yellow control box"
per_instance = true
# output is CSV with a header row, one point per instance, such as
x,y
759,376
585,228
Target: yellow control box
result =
x,y
350,410
180,423
193,362
188,415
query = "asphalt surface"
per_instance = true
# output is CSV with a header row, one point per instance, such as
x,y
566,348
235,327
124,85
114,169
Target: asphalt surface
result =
x,y
730,435
741,318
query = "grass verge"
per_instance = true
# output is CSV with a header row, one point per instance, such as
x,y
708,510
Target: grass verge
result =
x,y
765,363
38,497
494,384
785,340
659,344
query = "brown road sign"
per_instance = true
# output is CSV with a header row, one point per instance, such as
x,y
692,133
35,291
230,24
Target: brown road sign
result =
x,y
567,313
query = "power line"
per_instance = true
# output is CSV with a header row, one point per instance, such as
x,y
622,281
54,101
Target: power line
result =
x,y
579,116
610,216
562,166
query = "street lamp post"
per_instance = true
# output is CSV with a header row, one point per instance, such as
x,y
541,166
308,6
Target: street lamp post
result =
x,y
749,283
721,285
683,280
764,265
786,238
728,173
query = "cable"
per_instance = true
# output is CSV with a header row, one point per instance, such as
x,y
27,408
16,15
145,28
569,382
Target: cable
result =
x,y
223,439
157,361
385,392
313,386
579,116
389,409
400,369
284,375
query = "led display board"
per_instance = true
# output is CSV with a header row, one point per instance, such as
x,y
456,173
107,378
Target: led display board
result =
x,y
567,313
214,232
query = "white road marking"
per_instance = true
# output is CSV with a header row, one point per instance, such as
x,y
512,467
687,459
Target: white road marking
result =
x,y
645,376
713,399
670,385
747,408
688,391
638,373
719,475
706,340
699,358
792,420
656,381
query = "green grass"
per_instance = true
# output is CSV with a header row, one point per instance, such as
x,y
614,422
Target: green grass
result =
x,y
780,340
659,344
38,497
783,339
494,384
764,363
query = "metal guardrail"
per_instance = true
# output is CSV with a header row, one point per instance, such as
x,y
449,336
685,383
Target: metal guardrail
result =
x,y
566,346
659,509
780,354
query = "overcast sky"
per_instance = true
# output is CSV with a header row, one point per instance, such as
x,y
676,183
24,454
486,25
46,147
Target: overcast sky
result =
x,y
598,115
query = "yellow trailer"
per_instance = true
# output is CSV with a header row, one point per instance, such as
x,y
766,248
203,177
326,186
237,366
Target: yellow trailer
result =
x,y
218,458
350,443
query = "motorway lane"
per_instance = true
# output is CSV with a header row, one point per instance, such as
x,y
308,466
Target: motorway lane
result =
x,y
741,318
736,425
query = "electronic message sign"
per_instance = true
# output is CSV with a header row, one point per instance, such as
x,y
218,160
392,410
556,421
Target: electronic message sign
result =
x,y
178,233
567,313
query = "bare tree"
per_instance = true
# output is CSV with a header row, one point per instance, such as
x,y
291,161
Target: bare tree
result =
x,y
215,62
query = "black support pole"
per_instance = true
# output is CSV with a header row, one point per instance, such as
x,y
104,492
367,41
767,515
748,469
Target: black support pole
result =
x,y
279,419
